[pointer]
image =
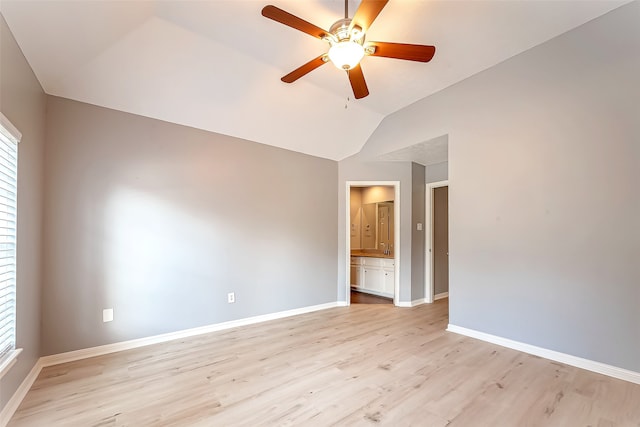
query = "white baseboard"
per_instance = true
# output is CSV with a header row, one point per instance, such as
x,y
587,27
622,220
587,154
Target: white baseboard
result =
x,y
578,362
84,353
12,405
411,303
441,295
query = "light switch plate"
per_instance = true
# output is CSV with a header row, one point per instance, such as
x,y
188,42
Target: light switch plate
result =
x,y
419,226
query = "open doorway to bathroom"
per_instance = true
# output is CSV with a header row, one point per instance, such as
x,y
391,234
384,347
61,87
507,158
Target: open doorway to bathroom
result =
x,y
373,225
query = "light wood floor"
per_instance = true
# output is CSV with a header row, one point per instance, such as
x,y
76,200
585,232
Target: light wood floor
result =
x,y
359,365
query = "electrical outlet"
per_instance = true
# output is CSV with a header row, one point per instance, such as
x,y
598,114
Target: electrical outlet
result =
x,y
107,315
231,297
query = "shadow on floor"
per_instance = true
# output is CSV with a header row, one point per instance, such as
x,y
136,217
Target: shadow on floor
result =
x,y
362,298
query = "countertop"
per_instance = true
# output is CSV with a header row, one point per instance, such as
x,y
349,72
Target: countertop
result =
x,y
371,253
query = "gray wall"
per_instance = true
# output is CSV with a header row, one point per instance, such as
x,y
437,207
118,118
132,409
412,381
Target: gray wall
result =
x,y
437,172
161,221
22,101
544,166
354,169
418,257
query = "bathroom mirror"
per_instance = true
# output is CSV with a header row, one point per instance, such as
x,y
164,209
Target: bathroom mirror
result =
x,y
372,226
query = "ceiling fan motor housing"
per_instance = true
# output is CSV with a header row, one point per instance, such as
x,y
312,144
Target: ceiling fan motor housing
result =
x,y
340,30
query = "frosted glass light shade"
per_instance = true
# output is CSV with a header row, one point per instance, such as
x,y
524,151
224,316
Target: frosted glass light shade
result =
x,y
346,54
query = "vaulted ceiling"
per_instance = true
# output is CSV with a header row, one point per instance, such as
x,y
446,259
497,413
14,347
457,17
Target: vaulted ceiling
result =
x,y
216,64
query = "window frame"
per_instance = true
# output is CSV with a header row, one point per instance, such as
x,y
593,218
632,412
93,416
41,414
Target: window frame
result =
x,y
10,357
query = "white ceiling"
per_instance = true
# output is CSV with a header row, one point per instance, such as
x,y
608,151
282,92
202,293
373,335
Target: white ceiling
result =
x,y
426,153
216,64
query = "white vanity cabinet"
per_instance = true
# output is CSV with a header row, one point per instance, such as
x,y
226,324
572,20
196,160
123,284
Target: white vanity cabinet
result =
x,y
356,273
372,279
389,282
373,275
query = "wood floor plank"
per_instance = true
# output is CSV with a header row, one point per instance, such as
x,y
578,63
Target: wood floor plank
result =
x,y
367,364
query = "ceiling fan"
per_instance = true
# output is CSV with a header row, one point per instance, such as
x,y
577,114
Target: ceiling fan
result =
x,y
347,46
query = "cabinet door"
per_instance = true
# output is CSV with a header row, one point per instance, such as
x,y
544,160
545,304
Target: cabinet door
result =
x,y
373,279
356,276
389,282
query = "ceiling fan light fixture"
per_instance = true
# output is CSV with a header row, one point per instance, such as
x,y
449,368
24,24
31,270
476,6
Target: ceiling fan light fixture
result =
x,y
346,54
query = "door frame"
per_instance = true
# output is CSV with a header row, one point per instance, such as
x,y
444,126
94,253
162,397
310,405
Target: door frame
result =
x,y
396,234
428,265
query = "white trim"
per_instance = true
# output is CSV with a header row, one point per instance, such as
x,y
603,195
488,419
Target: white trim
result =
x,y
441,295
12,405
396,243
14,134
142,342
396,236
428,241
347,245
578,362
413,303
9,361
10,135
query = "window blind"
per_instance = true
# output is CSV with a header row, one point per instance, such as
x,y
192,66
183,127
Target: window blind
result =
x,y
9,138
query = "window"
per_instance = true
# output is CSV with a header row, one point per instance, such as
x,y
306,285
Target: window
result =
x,y
9,137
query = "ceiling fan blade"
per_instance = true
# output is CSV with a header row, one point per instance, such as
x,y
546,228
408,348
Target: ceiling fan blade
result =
x,y
305,69
410,52
292,21
358,84
367,13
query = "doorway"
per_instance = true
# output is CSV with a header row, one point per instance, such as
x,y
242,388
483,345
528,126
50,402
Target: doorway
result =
x,y
372,241
437,242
